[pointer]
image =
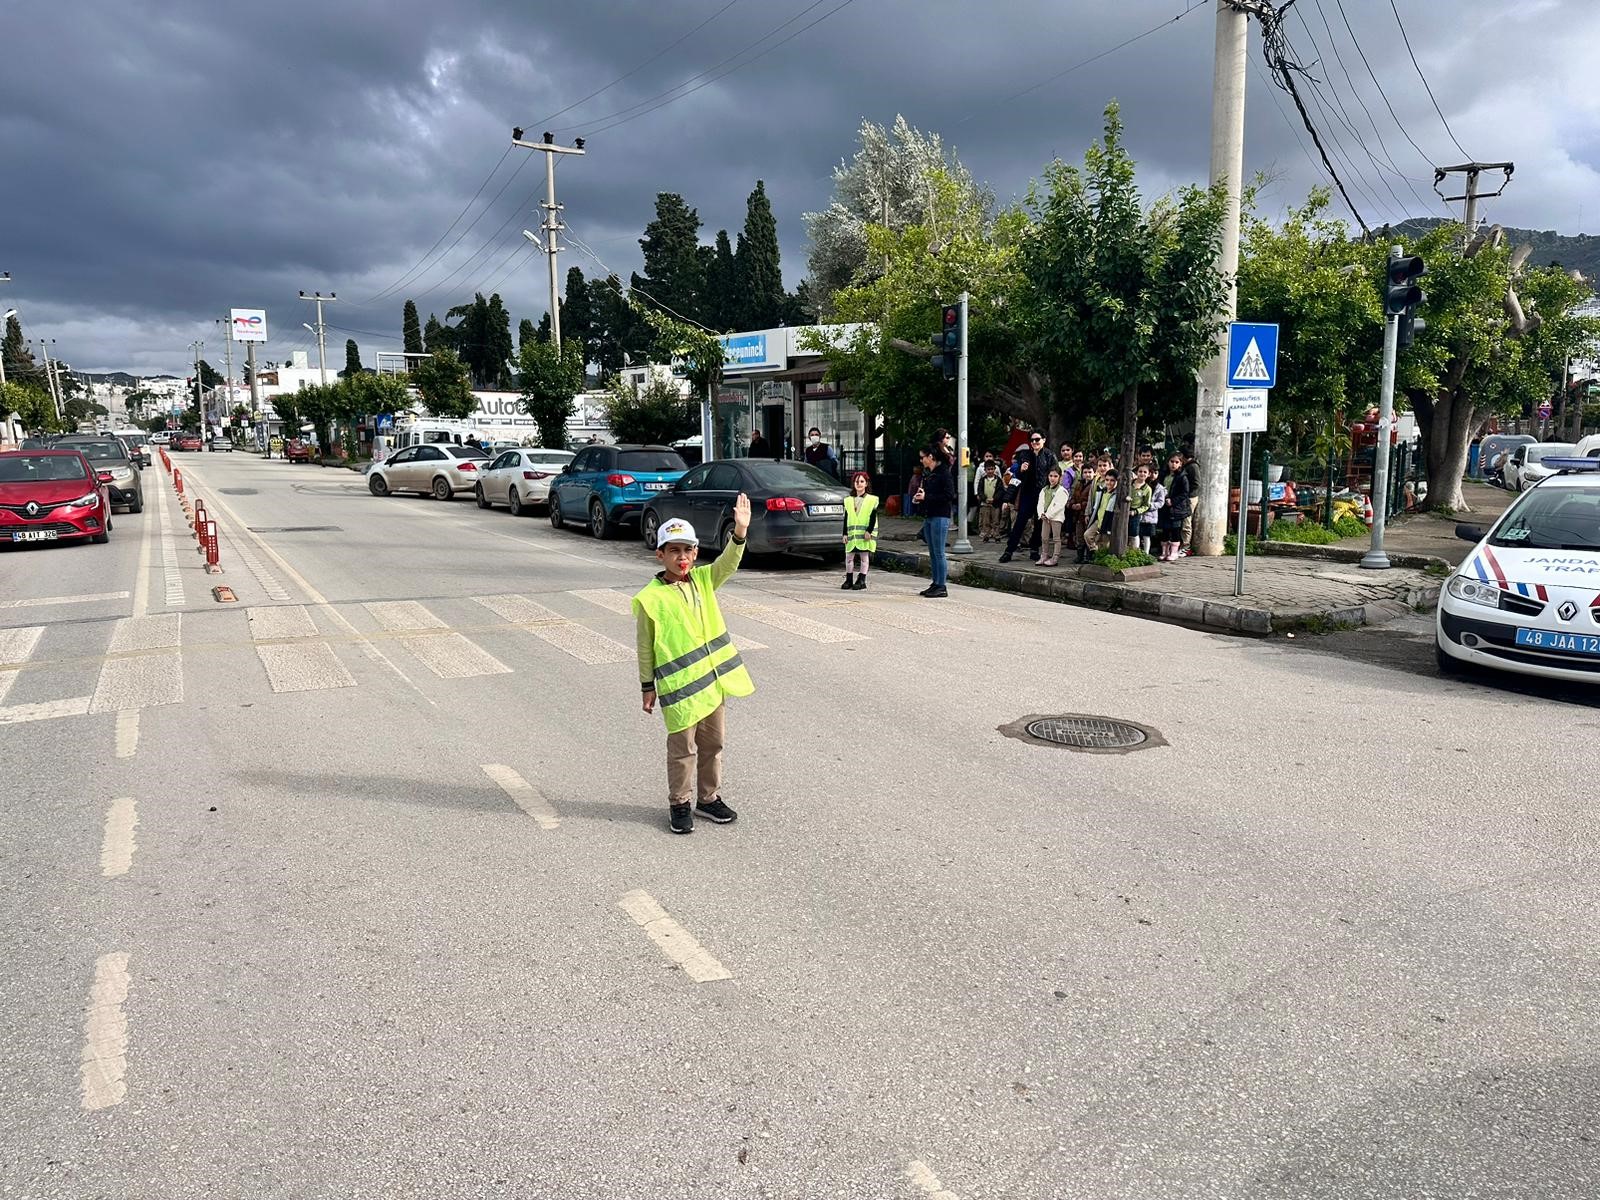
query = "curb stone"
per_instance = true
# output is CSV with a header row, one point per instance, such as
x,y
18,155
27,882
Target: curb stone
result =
x,y
1172,606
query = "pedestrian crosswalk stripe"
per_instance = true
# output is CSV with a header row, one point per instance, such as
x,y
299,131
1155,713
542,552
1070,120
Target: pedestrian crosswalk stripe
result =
x,y
17,714
150,671
16,646
241,549
622,604
913,621
294,660
52,601
789,622
523,794
549,626
448,655
676,942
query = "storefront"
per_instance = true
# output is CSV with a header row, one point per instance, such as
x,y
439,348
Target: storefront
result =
x,y
773,384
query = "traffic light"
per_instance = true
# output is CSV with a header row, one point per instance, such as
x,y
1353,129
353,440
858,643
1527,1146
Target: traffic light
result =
x,y
1401,295
948,340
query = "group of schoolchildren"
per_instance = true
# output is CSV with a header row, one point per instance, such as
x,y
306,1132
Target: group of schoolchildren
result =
x,y
1073,505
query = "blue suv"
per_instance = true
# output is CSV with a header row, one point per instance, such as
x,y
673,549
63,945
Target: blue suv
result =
x,y
606,487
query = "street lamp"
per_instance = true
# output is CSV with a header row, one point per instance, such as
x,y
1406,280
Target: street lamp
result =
x,y
534,238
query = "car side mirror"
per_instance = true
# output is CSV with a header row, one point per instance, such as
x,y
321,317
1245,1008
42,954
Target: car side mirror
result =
x,y
1470,533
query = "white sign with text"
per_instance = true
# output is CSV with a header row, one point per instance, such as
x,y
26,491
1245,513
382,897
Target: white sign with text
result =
x,y
1245,410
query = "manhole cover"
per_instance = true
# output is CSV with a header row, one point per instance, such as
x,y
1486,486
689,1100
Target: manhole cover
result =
x,y
295,529
1082,731
237,491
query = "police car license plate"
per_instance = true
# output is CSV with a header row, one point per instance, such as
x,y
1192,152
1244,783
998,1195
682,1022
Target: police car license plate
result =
x,y
1567,643
656,487
826,510
34,535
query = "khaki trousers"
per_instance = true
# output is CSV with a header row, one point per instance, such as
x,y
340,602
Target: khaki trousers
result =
x,y
702,741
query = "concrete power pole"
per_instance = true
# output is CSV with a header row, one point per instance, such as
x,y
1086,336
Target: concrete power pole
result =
x,y
552,220
50,378
1472,170
199,382
1211,441
227,353
322,338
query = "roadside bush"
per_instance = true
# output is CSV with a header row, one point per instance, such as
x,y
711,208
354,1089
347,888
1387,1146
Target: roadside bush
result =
x,y
1303,534
1133,557
1349,527
1230,545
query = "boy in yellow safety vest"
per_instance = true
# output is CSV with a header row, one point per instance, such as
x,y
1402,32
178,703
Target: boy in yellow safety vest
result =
x,y
688,664
860,532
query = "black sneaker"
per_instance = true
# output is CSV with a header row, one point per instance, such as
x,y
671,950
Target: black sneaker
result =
x,y
861,583
1006,557
848,584
682,819
937,593
715,810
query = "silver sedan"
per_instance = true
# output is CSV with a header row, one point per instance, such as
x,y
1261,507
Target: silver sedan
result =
x,y
520,479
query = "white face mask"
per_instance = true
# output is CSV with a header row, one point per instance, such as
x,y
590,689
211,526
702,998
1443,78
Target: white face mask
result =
x,y
815,439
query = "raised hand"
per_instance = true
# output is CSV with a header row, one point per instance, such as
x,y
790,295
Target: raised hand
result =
x,y
741,515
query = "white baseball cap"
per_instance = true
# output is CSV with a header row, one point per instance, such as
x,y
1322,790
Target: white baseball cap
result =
x,y
676,530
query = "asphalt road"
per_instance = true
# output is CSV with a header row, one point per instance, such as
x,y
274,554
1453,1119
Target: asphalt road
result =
x,y
360,886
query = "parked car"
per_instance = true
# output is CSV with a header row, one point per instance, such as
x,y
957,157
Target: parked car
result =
x,y
1522,469
138,444
439,469
187,441
109,457
1523,599
520,479
160,438
297,450
607,486
51,495
793,506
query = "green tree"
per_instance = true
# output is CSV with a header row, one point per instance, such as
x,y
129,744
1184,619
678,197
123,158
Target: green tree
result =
x,y
674,274
756,263
1114,296
33,407
20,366
577,315
545,332
411,328
657,413
722,299
444,386
352,359
501,350
525,333
548,380
436,337
620,336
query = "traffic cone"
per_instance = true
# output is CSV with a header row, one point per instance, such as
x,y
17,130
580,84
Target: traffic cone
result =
x,y
1366,510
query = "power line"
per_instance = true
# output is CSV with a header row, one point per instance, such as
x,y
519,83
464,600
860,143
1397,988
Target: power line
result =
x,y
1399,124
607,124
1138,37
612,278
637,69
1396,10
391,288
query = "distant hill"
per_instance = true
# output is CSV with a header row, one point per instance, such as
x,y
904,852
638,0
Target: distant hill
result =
x,y
1579,252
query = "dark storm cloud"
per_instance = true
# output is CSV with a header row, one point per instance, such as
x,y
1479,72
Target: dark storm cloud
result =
x,y
166,160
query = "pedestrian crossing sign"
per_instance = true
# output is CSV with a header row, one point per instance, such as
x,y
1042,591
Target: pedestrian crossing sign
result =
x,y
1252,355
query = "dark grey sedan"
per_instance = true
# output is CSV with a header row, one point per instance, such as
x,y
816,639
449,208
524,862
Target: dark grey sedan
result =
x,y
793,506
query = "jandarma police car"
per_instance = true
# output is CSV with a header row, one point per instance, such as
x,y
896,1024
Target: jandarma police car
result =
x,y
1527,599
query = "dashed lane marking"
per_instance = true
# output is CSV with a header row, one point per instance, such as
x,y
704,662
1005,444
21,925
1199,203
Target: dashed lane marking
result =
x,y
307,665
16,647
918,1172
447,654
789,622
103,1066
127,733
547,625
17,714
621,603
153,675
141,580
116,847
50,601
674,940
524,795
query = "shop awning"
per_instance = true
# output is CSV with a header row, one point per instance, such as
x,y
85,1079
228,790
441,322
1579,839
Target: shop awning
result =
x,y
806,373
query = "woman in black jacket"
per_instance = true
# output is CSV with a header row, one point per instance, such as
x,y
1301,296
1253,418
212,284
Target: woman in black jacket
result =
x,y
936,501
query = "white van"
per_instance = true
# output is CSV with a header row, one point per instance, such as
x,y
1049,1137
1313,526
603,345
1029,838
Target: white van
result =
x,y
1588,447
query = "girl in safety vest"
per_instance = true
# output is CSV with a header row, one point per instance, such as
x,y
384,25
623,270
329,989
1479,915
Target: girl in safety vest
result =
x,y
688,664
860,531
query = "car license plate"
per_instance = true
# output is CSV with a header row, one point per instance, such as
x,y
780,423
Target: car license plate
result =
x,y
34,535
826,510
656,487
1567,643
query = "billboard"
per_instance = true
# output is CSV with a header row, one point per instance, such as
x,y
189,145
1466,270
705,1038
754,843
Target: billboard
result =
x,y
249,324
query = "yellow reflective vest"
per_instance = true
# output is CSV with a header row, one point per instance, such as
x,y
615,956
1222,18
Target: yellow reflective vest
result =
x,y
858,523
697,664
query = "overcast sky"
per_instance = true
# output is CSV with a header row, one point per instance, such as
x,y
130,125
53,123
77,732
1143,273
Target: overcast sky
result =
x,y
167,159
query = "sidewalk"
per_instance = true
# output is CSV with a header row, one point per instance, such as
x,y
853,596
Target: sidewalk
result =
x,y
1293,591
1435,536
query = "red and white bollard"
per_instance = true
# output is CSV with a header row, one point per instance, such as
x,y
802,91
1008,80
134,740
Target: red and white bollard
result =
x,y
213,552
177,480
199,522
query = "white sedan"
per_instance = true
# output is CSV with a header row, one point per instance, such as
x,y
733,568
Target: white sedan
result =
x,y
1527,599
1526,466
520,479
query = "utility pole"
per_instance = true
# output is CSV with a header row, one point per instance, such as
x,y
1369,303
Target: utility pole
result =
x,y
1211,440
963,543
552,219
1472,170
50,376
9,429
322,339
199,381
1375,558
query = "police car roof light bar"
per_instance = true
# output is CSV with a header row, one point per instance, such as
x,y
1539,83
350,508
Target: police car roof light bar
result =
x,y
1565,465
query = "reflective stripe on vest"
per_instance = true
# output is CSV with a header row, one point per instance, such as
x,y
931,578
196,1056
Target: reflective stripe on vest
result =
x,y
668,699
694,656
699,663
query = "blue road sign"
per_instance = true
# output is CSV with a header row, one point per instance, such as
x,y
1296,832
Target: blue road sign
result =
x,y
1252,355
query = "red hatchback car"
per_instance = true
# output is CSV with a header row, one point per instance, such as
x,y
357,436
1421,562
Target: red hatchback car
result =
x,y
187,441
51,496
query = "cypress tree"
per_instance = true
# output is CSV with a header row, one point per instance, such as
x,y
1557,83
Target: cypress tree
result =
x,y
723,307
525,333
577,314
352,358
673,270
411,328
760,276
